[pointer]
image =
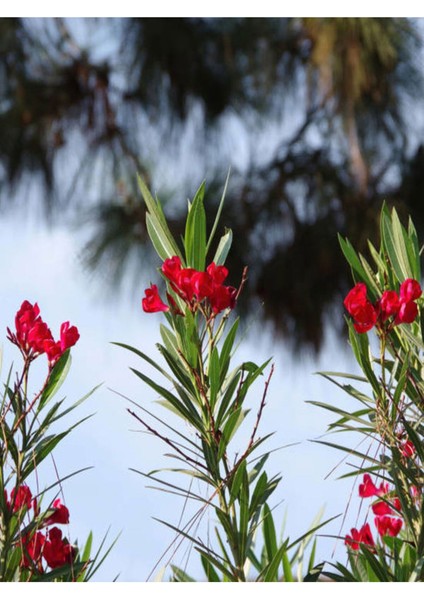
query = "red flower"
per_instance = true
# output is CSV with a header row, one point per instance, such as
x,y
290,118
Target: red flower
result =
x,y
152,302
389,304
57,552
407,313
185,284
60,514
68,336
223,297
32,548
363,536
34,337
171,268
368,489
31,331
410,290
387,525
218,273
408,449
362,311
52,350
202,285
382,508
20,497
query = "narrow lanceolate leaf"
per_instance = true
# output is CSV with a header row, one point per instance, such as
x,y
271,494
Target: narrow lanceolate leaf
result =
x,y
218,213
391,232
268,528
157,227
223,247
211,574
414,251
57,377
213,374
186,410
195,232
227,348
352,258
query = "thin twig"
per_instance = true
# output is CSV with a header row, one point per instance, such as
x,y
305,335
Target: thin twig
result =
x,y
166,440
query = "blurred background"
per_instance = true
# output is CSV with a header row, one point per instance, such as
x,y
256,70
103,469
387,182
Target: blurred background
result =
x,y
319,119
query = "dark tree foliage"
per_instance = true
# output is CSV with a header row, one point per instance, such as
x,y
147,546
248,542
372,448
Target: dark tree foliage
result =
x,y
321,104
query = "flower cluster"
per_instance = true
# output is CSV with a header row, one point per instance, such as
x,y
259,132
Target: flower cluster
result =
x,y
33,337
36,545
193,287
400,308
385,509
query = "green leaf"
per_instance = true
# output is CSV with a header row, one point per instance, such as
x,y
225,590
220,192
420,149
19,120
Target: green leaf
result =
x,y
270,536
414,251
392,237
157,227
211,574
218,213
227,348
214,376
288,575
232,424
353,260
236,482
195,232
380,570
180,575
270,573
231,387
145,357
186,410
223,247
56,378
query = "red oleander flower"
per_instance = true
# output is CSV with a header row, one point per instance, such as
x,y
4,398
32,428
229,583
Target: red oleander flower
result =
x,y
368,489
171,268
57,551
34,337
407,313
152,302
402,307
389,305
25,319
21,497
407,449
32,549
194,286
363,536
184,284
360,308
223,297
382,508
356,298
387,525
38,335
60,515
69,335
31,331
218,273
410,290
202,285
53,351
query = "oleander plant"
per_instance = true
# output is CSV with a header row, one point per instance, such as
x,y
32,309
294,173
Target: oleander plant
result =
x,y
34,522
209,413
199,382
